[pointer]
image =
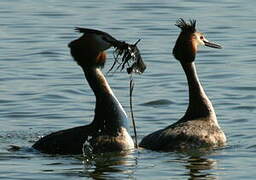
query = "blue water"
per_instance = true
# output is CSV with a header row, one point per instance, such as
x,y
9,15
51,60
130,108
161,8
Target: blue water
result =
x,y
43,90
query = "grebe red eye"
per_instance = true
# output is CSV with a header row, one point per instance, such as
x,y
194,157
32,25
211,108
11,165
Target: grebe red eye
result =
x,y
202,37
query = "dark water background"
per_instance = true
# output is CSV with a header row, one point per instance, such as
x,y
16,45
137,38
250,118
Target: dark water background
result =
x,y
43,90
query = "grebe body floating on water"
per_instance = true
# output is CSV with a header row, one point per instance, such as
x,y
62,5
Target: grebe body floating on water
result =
x,y
109,130
198,127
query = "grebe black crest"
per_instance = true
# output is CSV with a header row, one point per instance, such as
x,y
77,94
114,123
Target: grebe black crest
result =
x,y
186,27
199,126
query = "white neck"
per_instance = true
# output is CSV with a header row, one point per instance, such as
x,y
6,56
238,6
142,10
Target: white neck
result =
x,y
97,81
199,104
109,113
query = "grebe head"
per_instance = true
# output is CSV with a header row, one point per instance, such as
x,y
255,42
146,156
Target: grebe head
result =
x,y
88,50
188,41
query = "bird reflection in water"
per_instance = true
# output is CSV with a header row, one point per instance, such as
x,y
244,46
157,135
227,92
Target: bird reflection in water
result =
x,y
200,168
114,165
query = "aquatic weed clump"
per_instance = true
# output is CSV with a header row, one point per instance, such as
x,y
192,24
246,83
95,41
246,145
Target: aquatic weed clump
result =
x,y
128,56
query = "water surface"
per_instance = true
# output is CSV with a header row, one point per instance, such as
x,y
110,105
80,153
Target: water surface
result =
x,y
43,90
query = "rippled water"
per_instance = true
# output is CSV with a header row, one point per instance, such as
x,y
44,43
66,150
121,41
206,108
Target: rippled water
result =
x,y
43,90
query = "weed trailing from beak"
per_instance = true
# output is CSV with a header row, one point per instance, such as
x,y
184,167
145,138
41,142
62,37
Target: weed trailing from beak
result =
x,y
128,56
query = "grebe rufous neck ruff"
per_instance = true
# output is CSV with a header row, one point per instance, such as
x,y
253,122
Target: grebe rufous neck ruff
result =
x,y
109,130
199,126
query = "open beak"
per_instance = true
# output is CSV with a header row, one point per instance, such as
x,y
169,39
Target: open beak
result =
x,y
213,45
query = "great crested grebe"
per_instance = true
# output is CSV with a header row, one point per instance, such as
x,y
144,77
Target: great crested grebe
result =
x,y
109,130
199,126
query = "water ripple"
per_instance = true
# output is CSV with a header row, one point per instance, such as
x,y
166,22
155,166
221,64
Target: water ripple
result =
x,y
157,103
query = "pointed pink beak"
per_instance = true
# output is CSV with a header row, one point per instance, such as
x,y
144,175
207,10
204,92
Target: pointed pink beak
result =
x,y
213,45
